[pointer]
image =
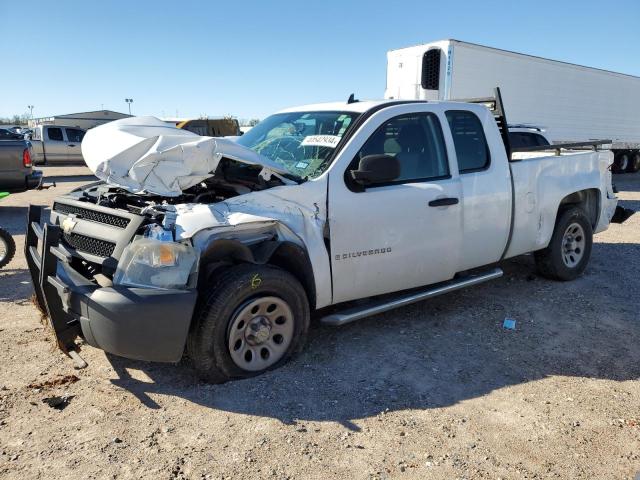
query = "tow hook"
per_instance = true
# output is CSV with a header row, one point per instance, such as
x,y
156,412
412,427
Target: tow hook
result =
x,y
42,186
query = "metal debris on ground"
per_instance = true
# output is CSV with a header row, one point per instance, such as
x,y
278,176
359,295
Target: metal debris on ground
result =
x,y
59,403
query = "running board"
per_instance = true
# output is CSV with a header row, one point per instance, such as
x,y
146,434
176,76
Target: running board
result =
x,y
362,311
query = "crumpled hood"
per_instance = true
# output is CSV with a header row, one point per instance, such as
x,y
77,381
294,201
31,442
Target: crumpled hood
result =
x,y
145,154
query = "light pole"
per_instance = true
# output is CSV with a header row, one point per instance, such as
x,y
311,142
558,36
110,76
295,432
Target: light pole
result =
x,y
30,107
129,102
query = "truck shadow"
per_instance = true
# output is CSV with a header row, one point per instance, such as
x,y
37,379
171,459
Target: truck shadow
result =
x,y
439,352
70,178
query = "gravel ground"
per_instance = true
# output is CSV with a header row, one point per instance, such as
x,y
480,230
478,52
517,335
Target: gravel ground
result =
x,y
435,390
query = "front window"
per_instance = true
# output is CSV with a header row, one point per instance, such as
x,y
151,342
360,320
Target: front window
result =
x,y
302,142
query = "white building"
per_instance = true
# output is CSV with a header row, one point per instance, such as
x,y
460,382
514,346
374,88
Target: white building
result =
x,y
84,120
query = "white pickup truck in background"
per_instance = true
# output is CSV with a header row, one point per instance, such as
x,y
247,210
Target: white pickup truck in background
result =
x,y
386,202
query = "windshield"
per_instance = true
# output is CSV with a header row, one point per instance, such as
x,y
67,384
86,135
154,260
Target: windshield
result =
x,y
301,142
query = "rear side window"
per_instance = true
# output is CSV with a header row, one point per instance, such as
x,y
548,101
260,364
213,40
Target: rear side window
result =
x,y
469,140
55,134
75,135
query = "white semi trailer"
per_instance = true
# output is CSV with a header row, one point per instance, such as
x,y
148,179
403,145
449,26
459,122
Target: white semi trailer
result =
x,y
572,102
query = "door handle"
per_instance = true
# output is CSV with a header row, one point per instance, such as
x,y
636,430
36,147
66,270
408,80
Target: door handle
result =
x,y
443,202
71,145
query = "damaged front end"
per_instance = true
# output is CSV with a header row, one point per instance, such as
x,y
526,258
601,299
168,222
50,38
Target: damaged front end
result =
x,y
108,266
118,262
86,292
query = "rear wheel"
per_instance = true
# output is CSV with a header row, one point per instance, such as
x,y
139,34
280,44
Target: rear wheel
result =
x,y
253,319
620,163
7,247
569,250
634,163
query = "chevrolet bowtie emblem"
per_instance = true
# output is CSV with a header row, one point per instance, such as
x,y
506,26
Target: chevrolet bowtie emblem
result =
x,y
68,225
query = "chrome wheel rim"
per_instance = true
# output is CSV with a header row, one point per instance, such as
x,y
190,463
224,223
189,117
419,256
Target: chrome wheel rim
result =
x,y
573,243
260,333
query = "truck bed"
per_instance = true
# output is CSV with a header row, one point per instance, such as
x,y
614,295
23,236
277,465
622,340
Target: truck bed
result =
x,y
541,180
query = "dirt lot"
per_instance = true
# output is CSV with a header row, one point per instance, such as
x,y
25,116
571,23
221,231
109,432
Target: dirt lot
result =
x,y
436,390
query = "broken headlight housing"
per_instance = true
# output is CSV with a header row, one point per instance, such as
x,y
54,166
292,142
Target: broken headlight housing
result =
x,y
154,263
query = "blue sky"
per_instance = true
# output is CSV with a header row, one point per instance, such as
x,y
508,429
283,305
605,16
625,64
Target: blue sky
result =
x,y
250,58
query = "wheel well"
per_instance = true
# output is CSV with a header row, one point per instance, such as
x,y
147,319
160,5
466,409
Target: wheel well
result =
x,y
588,200
223,254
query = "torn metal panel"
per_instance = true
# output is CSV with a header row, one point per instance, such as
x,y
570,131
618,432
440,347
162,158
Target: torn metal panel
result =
x,y
295,214
145,154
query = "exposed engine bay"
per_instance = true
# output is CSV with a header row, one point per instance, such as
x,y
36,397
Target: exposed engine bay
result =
x,y
230,180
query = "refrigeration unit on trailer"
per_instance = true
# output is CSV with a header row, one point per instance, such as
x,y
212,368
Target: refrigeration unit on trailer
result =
x,y
573,103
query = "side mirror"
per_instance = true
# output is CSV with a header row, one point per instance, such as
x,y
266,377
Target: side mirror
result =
x,y
376,169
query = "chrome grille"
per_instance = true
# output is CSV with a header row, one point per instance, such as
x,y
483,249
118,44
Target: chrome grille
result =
x,y
94,246
92,215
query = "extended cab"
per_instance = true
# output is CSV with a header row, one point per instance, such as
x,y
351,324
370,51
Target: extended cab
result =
x,y
383,202
56,144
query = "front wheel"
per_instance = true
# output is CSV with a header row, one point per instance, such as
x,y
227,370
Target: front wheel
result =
x,y
253,319
7,247
569,250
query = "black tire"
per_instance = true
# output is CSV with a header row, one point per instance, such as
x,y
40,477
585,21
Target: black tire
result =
x,y
9,247
550,261
634,163
620,163
208,342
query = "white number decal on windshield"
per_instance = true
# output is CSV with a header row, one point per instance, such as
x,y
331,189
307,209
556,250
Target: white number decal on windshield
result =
x,y
321,141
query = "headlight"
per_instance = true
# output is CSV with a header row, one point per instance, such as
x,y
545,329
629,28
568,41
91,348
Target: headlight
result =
x,y
152,263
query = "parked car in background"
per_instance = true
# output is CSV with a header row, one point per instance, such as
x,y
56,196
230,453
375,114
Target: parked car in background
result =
x,y
527,136
9,134
16,166
56,144
208,127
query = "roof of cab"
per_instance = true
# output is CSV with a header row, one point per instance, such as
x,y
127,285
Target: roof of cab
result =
x,y
356,107
360,106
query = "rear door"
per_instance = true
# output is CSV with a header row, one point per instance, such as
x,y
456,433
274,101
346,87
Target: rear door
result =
x,y
74,139
486,184
400,234
55,145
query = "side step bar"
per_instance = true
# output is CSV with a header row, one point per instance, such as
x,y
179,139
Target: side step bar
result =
x,y
362,311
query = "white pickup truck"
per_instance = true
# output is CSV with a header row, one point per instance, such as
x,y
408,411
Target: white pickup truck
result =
x,y
386,202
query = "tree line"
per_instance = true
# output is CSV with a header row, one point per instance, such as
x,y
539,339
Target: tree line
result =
x,y
15,119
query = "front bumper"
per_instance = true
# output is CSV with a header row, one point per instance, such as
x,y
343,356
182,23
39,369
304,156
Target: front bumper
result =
x,y
138,323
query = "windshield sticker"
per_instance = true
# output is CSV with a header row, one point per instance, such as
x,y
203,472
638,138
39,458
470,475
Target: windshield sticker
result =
x,y
321,141
302,165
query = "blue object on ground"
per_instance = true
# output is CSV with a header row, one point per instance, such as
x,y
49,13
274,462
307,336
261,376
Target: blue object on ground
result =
x,y
509,324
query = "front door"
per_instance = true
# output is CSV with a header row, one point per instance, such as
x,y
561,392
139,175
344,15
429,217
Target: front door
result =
x,y
405,233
